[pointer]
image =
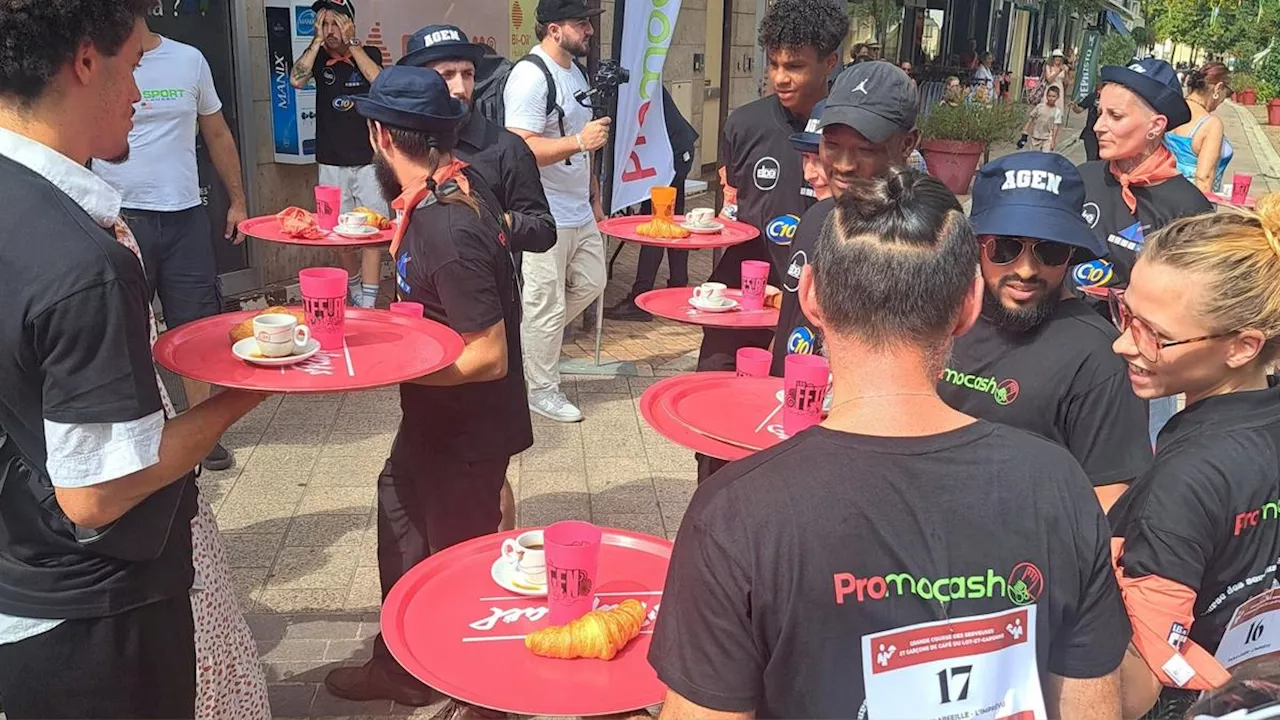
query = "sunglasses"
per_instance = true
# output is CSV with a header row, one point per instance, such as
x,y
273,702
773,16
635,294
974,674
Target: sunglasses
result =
x,y
1002,250
1145,337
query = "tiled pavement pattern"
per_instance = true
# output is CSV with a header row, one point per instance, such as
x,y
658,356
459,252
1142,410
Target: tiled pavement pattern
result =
x,y
297,516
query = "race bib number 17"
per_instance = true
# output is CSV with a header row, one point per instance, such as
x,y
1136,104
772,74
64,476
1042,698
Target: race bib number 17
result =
x,y
973,668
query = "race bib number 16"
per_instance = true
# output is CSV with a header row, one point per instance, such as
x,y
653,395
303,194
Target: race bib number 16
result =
x,y
973,668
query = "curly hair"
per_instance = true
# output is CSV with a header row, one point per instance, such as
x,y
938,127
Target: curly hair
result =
x,y
819,24
38,37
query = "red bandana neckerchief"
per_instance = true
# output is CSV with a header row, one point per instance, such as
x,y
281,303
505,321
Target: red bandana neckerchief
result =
x,y
418,191
1154,170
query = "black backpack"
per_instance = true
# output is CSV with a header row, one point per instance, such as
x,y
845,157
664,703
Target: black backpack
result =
x,y
491,83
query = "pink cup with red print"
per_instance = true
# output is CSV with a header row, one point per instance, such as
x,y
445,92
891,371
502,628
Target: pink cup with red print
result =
x,y
804,383
1240,184
755,277
328,204
324,303
573,557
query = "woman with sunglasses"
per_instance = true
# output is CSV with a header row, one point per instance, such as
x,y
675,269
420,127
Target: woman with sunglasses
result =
x,y
1199,533
1034,360
1201,146
1134,188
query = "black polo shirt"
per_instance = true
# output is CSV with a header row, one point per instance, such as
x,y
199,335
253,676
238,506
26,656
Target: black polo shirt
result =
x,y
1207,513
1060,381
510,171
796,333
1125,234
342,136
457,263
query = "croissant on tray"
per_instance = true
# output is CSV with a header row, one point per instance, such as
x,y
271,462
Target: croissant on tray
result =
x,y
245,329
599,634
659,228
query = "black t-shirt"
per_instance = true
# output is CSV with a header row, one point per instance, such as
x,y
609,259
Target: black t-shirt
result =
x,y
795,332
458,265
1060,381
511,173
76,339
1106,213
1207,513
342,136
788,559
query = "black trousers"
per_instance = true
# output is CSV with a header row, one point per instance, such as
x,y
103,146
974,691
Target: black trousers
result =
x,y
178,256
651,257
138,664
428,502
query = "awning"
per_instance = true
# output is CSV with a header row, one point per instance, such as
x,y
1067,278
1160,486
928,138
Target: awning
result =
x,y
1116,22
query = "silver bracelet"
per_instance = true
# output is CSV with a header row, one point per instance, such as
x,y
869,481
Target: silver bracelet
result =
x,y
582,147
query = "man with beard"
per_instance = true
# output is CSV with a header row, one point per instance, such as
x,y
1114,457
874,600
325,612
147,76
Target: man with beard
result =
x,y
560,284
1035,360
760,171
495,153
460,425
856,135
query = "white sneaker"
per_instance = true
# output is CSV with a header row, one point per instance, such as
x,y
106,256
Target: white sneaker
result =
x,y
552,404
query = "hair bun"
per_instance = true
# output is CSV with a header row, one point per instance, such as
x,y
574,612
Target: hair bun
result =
x,y
1268,211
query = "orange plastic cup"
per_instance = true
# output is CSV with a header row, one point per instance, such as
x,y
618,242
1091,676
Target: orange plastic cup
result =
x,y
664,202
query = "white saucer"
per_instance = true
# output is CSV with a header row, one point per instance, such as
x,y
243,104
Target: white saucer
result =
x,y
505,575
729,304
711,229
246,350
356,232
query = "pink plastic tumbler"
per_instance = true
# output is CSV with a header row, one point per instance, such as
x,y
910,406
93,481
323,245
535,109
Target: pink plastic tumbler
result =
x,y
328,204
804,382
1240,185
408,309
754,362
324,302
755,277
573,557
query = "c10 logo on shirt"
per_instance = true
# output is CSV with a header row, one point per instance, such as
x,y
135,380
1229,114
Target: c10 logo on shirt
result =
x,y
800,342
1093,274
782,229
1004,392
1023,586
343,104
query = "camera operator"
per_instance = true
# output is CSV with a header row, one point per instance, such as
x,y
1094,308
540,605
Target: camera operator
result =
x,y
560,283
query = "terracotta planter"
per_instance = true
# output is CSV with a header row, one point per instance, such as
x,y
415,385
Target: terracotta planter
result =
x,y
1273,112
1247,97
954,162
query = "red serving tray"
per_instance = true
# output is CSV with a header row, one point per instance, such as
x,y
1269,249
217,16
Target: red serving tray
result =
x,y
659,419
453,628
728,409
380,348
267,228
673,304
624,228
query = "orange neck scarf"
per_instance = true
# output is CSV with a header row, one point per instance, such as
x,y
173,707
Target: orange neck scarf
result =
x,y
417,191
1154,170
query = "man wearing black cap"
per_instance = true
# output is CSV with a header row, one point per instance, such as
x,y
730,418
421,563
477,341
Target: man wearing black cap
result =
x,y
865,127
460,425
1034,360
343,65
560,284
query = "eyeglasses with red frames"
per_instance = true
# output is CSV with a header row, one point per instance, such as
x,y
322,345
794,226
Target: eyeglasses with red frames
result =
x,y
1004,249
1144,336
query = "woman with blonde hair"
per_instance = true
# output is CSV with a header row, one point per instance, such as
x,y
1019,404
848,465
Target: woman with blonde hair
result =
x,y
1199,533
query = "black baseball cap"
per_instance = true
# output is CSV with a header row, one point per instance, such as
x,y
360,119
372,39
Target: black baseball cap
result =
x,y
440,42
343,6
413,98
875,98
1156,82
1034,195
550,11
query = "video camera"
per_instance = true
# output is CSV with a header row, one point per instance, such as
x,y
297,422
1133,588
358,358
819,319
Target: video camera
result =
x,y
602,98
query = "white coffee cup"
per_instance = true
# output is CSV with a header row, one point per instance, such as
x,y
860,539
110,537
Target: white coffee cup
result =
x,y
353,221
526,555
710,293
280,335
700,217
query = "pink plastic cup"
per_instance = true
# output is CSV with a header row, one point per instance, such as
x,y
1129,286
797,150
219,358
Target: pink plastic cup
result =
x,y
324,303
754,362
410,309
573,557
1240,184
328,204
804,382
755,277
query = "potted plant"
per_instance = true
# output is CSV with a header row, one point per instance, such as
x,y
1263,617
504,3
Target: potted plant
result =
x,y
1246,87
954,138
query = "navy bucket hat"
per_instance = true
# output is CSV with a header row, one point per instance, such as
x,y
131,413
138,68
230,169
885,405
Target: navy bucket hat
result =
x,y
413,98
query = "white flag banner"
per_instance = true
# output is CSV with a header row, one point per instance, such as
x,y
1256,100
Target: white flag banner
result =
x,y
642,150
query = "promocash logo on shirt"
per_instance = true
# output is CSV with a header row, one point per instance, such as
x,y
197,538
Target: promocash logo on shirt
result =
x,y
1004,392
1022,586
